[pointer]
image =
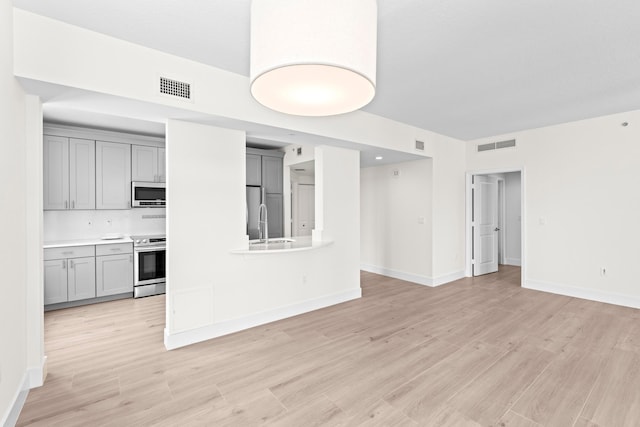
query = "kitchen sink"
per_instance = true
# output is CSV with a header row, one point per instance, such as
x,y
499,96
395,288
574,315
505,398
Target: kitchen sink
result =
x,y
276,240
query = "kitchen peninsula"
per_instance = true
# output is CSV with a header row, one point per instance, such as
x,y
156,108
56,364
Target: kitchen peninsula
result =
x,y
217,284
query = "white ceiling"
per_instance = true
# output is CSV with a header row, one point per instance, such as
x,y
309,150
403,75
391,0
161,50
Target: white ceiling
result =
x,y
463,68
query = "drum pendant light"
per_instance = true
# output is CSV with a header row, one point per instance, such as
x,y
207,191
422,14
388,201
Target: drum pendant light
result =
x,y
313,57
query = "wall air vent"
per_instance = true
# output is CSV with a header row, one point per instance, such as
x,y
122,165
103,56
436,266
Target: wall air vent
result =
x,y
497,145
419,145
487,147
505,144
175,88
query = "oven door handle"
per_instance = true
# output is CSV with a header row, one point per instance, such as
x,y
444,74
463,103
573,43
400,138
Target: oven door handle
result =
x,y
150,249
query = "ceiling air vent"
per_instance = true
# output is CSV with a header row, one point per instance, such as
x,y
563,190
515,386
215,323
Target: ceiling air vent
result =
x,y
175,88
419,145
497,145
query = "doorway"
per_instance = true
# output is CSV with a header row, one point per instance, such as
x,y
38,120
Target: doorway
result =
x,y
302,199
494,221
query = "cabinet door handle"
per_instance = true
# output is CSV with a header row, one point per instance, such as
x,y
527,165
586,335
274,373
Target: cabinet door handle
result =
x,y
130,259
73,204
65,204
129,205
116,249
70,263
64,264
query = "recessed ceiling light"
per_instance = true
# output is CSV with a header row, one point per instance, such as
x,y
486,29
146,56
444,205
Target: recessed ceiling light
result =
x,y
378,157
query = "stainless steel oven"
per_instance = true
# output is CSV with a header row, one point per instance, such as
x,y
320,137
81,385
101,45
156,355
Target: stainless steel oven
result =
x,y
149,267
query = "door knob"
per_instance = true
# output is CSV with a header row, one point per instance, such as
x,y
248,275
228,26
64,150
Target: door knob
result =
x,y
496,229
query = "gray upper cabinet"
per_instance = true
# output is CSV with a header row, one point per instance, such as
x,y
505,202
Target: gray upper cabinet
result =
x,y
69,173
254,170
82,174
272,174
147,163
113,175
162,165
56,172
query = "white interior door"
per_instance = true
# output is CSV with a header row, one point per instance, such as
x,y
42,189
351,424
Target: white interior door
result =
x,y
485,225
306,209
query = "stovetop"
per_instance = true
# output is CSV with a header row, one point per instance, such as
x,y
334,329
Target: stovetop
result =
x,y
149,240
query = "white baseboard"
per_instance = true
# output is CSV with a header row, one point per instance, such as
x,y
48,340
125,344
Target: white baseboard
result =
x,y
582,293
513,261
396,274
181,339
36,375
447,278
413,278
10,418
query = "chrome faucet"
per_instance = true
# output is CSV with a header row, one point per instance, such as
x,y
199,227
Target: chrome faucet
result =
x,y
263,221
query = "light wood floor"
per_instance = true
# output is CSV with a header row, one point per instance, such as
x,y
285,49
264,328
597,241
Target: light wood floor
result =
x,y
479,351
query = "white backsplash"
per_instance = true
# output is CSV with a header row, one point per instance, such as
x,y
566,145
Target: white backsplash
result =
x,y
71,224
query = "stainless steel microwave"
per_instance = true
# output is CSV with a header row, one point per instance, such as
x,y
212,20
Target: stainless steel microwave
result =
x,y
148,194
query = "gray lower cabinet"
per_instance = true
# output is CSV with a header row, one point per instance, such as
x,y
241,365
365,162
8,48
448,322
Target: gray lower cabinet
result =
x,y
55,281
81,278
84,272
114,269
69,274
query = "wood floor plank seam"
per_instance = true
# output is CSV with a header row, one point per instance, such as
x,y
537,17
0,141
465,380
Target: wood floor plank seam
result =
x,y
584,404
524,392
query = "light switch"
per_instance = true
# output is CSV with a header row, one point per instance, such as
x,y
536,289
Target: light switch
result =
x,y
420,220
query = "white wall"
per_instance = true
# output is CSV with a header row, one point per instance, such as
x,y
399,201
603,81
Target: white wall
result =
x,y
395,220
90,224
513,215
13,226
93,61
581,207
448,209
211,291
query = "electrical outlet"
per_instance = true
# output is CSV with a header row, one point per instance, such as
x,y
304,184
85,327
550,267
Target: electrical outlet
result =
x,y
421,220
304,278
603,271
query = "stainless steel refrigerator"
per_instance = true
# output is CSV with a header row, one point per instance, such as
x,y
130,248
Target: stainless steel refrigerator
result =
x,y
275,212
253,204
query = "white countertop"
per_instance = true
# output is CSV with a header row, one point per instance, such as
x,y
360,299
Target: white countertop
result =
x,y
299,244
85,242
